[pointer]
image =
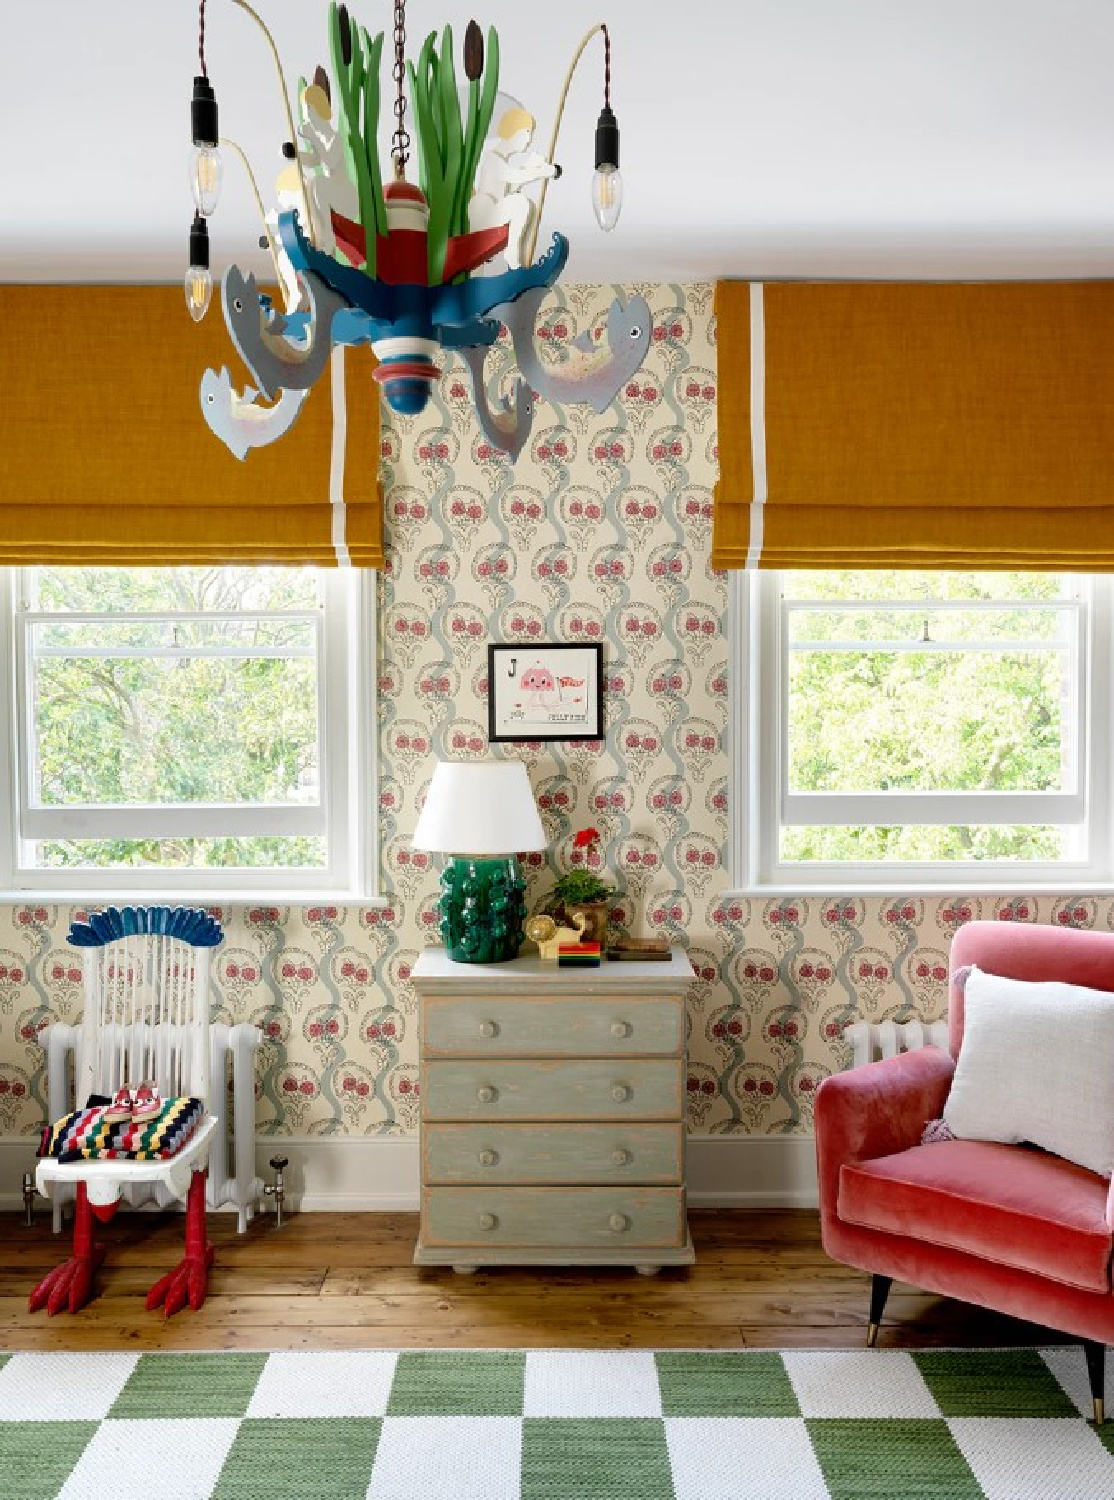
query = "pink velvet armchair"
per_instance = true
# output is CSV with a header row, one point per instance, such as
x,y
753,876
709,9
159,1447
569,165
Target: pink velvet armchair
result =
x,y
1009,1227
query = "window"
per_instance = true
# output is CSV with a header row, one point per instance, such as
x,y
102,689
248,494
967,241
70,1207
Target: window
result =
x,y
208,723
940,724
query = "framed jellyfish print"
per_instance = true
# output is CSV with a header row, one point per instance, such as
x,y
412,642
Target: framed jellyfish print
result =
x,y
544,691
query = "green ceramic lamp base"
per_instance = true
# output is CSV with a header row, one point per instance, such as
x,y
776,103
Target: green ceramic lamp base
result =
x,y
482,907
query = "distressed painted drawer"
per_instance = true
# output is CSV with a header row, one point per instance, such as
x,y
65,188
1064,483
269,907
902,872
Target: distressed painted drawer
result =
x,y
553,1105
584,1218
571,1154
556,1027
588,1089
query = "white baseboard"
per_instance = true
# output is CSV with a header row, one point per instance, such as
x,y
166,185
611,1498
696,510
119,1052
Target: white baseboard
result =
x,y
751,1171
17,1155
338,1173
380,1173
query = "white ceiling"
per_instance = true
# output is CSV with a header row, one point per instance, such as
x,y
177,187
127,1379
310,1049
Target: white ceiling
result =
x,y
760,138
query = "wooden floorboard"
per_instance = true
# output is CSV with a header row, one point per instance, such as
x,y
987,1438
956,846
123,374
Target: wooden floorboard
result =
x,y
347,1281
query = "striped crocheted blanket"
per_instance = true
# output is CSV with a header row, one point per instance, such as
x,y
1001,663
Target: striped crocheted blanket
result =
x,y
86,1135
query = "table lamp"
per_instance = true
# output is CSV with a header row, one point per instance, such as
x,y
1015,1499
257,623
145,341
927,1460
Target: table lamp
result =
x,y
483,814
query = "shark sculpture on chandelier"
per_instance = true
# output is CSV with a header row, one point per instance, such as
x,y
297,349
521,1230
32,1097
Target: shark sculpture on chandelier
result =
x,y
408,269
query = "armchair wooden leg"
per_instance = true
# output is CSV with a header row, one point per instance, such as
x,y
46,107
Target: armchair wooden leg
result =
x,y
1096,1362
879,1291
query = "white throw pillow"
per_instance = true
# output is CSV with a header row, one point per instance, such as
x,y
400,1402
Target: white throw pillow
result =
x,y
1036,1064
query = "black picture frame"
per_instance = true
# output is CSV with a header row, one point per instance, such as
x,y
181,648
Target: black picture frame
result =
x,y
544,690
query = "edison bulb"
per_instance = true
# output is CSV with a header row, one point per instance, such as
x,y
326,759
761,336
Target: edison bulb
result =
x,y
206,171
607,196
198,287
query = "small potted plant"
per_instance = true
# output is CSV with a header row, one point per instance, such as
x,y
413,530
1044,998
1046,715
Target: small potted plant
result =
x,y
582,890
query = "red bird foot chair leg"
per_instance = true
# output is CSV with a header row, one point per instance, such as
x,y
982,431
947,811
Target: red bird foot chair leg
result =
x,y
70,1284
189,1280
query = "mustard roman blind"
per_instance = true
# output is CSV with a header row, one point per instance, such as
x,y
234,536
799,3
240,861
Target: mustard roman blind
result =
x,y
106,458
916,425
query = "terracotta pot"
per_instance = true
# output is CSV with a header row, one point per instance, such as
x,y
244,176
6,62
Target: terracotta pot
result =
x,y
595,919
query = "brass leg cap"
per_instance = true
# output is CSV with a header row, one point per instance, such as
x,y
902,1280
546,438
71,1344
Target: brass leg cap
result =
x,y
871,1335
1100,1411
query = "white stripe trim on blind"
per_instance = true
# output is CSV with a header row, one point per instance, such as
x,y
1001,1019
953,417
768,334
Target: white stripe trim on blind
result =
x,y
757,424
336,458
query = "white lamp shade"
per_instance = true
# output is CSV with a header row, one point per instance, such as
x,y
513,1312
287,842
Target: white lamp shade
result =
x,y
483,807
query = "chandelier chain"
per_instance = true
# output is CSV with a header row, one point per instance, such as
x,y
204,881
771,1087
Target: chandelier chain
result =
x,y
201,37
401,143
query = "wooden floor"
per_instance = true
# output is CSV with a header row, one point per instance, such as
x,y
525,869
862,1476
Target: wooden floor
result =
x,y
342,1281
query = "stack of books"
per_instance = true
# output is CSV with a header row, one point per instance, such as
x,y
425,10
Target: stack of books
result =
x,y
580,955
639,950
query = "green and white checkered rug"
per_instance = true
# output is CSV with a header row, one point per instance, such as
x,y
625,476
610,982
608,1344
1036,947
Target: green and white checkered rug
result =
x,y
552,1425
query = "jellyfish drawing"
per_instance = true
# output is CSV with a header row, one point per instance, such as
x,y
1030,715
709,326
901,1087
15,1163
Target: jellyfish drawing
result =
x,y
538,682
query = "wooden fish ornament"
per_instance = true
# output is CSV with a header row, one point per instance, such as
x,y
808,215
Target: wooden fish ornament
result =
x,y
236,419
508,425
277,360
599,373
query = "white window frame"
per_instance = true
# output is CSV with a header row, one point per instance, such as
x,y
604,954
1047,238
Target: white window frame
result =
x,y
759,772
345,815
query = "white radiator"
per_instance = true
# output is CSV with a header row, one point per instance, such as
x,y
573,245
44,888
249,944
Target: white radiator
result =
x,y
871,1040
232,1176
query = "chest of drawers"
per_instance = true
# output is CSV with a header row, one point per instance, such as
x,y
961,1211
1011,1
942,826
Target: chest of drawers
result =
x,y
553,1108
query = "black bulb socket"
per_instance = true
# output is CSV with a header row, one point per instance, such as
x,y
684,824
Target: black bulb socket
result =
x,y
203,113
199,243
607,139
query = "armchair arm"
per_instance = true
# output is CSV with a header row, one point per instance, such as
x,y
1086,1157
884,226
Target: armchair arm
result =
x,y
876,1110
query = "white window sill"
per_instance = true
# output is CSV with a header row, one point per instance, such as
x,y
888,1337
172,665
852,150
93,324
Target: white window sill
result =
x,y
898,885
84,896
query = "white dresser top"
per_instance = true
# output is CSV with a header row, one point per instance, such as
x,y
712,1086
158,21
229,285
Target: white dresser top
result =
x,y
539,973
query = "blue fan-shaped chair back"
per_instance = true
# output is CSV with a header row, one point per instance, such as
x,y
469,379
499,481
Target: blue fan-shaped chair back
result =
x,y
190,924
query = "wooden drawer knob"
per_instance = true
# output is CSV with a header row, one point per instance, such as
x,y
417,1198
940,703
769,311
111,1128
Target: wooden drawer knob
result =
x,y
487,1221
487,1094
488,1158
621,1092
489,1028
620,1156
620,1029
619,1223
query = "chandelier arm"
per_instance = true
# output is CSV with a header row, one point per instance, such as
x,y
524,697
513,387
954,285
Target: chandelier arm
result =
x,y
293,136
242,154
579,53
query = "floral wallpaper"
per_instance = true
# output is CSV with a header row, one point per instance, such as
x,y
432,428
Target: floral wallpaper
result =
x,y
600,532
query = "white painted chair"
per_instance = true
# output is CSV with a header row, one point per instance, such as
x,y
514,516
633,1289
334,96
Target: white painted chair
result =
x,y
146,1018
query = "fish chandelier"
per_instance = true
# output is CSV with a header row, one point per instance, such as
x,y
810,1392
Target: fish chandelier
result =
x,y
410,268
